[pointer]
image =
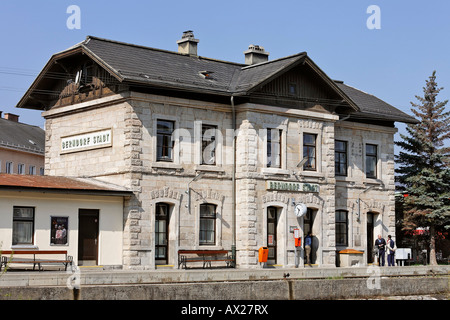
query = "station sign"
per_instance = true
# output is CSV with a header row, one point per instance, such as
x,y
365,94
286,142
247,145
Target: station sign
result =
x,y
291,186
86,141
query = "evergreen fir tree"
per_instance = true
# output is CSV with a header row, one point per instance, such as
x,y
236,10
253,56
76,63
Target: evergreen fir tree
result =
x,y
424,166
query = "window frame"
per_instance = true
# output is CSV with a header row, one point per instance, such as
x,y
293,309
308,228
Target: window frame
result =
x,y
165,135
341,222
374,158
203,232
206,143
337,163
306,153
23,219
21,168
269,148
9,167
32,170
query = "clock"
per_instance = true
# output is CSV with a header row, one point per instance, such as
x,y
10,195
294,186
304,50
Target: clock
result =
x,y
300,210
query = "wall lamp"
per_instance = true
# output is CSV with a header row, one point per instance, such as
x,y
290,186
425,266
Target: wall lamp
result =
x,y
358,217
188,191
301,164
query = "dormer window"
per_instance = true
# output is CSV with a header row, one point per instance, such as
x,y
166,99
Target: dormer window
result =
x,y
206,74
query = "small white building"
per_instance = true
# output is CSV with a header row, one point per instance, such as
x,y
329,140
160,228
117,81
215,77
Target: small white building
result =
x,y
82,216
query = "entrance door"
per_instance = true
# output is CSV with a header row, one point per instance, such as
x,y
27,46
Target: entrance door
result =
x,y
162,233
272,234
88,221
308,226
370,239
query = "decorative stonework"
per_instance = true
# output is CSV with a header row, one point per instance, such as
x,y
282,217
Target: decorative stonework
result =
x,y
165,192
310,200
373,206
208,195
275,197
310,124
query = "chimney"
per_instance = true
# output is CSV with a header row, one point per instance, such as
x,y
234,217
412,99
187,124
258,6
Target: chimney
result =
x,y
188,44
255,54
12,117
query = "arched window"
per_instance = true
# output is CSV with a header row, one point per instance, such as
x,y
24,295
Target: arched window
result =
x,y
207,224
161,232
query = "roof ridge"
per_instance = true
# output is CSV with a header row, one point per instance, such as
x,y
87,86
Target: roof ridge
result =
x,y
157,49
276,60
21,123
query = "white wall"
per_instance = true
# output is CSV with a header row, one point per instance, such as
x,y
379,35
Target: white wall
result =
x,y
47,205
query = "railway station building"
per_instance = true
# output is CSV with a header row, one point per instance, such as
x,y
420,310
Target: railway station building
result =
x,y
221,155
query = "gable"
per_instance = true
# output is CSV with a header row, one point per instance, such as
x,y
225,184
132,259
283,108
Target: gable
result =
x,y
301,87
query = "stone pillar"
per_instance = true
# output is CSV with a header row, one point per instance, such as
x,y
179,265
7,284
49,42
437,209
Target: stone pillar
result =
x,y
246,168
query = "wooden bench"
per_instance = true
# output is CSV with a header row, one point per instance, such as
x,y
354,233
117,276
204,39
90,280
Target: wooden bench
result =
x,y
204,256
17,256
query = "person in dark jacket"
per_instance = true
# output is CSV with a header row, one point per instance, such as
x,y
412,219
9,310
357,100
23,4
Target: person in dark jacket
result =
x,y
308,244
391,251
380,243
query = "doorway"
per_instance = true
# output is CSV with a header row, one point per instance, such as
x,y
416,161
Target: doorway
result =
x,y
370,238
272,221
88,221
308,226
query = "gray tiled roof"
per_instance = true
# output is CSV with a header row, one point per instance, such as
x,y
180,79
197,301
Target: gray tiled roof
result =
x,y
144,66
21,136
372,107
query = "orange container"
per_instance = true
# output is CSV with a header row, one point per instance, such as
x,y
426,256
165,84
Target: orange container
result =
x,y
263,254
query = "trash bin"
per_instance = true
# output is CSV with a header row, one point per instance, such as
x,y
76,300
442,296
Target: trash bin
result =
x,y
263,254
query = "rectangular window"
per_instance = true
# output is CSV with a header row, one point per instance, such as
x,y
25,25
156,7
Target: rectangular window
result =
x,y
209,144
9,167
32,170
165,142
341,222
21,168
371,160
274,148
207,224
23,225
309,151
340,158
41,171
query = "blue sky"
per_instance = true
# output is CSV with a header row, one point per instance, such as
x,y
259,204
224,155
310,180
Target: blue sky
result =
x,y
391,63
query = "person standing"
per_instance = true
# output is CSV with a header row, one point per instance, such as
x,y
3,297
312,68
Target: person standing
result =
x,y
391,247
308,243
380,243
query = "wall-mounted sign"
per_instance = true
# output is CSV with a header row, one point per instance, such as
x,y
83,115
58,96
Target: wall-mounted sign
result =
x,y
291,186
59,229
86,141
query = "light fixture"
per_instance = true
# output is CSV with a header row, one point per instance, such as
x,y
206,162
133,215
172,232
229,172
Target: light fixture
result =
x,y
188,191
300,164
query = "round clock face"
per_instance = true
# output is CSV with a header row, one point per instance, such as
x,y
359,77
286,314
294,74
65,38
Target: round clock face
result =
x,y
300,210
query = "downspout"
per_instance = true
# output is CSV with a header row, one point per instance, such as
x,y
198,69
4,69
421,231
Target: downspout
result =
x,y
233,185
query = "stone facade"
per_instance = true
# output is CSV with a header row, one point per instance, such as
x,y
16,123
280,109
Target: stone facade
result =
x,y
130,161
